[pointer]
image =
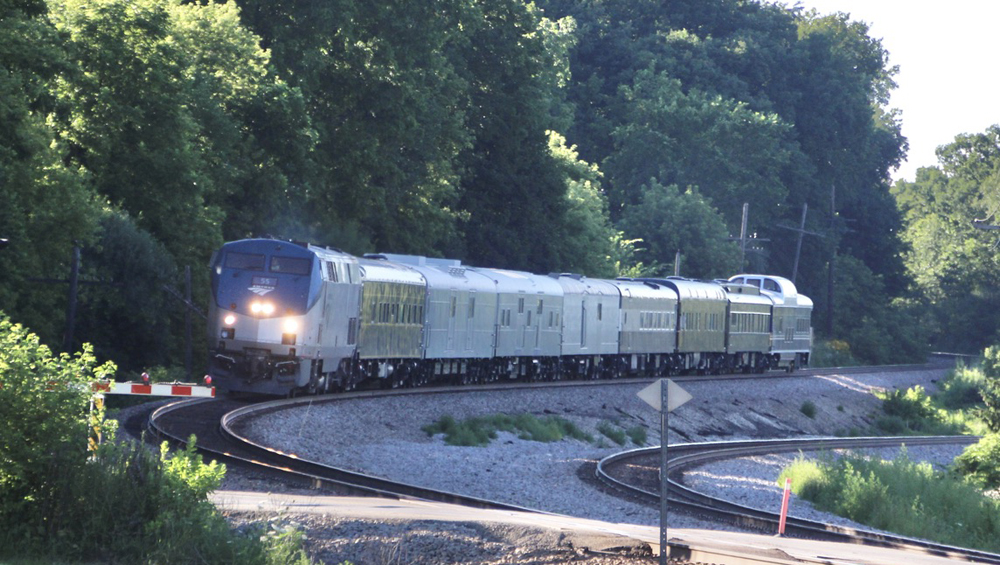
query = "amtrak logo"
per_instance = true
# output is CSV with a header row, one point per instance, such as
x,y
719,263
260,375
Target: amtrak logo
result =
x,y
260,290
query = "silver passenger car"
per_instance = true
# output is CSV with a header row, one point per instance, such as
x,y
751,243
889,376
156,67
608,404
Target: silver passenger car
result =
x,y
648,336
529,316
461,308
748,337
590,324
393,306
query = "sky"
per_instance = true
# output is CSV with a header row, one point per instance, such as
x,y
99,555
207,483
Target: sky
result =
x,y
948,81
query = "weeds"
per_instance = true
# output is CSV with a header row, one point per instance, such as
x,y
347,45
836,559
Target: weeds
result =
x,y
901,496
480,431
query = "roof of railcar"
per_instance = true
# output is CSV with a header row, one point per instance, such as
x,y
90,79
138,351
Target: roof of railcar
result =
x,y
576,284
640,289
520,281
388,271
786,293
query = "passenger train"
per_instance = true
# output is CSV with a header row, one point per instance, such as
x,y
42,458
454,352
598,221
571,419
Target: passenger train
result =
x,y
289,318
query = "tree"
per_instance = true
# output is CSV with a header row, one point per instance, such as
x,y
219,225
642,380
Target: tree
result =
x,y
955,266
48,396
47,205
669,221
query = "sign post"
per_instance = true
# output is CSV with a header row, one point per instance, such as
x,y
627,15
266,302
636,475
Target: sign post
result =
x,y
664,395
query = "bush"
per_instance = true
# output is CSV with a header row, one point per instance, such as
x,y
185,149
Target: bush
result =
x,y
638,435
980,462
478,432
833,353
808,408
116,502
900,496
612,432
960,390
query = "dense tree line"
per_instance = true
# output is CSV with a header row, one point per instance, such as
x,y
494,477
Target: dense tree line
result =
x,y
600,137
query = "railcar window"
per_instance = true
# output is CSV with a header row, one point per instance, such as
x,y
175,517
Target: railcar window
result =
x,y
291,265
472,307
247,261
600,311
771,285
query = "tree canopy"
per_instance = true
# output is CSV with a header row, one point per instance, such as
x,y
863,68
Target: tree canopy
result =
x,y
596,137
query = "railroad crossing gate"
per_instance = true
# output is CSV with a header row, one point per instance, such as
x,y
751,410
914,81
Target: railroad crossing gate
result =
x,y
160,389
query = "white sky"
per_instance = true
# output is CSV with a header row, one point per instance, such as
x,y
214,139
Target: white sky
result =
x,y
948,73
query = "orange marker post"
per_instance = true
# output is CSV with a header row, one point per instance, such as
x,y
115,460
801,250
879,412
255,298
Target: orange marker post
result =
x,y
784,506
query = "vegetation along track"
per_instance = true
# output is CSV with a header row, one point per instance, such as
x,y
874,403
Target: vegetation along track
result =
x,y
636,473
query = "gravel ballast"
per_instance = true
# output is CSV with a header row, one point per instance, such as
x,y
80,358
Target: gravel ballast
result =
x,y
384,437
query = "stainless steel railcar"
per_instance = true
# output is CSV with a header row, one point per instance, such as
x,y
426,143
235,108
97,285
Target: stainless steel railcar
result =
x,y
289,317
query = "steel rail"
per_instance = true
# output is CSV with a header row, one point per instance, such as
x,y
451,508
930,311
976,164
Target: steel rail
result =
x,y
684,498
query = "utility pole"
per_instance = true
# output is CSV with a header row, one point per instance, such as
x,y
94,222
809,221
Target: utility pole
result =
x,y
798,245
833,260
743,239
74,279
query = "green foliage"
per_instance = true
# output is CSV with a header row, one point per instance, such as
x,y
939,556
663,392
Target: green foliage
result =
x,y
913,411
980,462
808,408
961,388
48,397
637,434
832,353
900,496
479,431
668,220
64,498
612,432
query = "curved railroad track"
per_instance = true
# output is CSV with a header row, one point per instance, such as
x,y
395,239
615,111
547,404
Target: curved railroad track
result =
x,y
217,425
636,473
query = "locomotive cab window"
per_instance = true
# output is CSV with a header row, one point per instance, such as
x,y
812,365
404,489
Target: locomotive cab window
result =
x,y
291,265
246,261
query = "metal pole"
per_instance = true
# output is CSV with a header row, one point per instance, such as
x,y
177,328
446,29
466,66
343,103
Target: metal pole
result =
x,y
187,323
74,277
743,234
664,426
798,246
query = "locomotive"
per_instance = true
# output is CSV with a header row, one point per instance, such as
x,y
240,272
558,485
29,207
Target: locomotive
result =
x,y
289,317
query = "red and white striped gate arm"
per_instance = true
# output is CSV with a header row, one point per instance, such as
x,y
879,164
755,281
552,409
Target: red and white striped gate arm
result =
x,y
173,389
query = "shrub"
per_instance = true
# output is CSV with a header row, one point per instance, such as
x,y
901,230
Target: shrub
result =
x,y
808,408
833,353
478,432
900,496
117,502
638,435
961,388
980,462
612,432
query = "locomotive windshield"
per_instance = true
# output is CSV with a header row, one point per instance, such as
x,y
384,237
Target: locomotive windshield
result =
x,y
290,265
245,261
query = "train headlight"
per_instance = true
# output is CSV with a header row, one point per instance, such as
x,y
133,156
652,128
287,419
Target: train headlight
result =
x,y
229,320
291,326
262,308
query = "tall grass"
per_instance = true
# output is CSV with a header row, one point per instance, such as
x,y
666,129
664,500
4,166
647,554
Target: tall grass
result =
x,y
479,431
900,496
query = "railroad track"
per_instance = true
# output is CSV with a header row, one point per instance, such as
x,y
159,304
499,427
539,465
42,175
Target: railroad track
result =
x,y
217,425
622,471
